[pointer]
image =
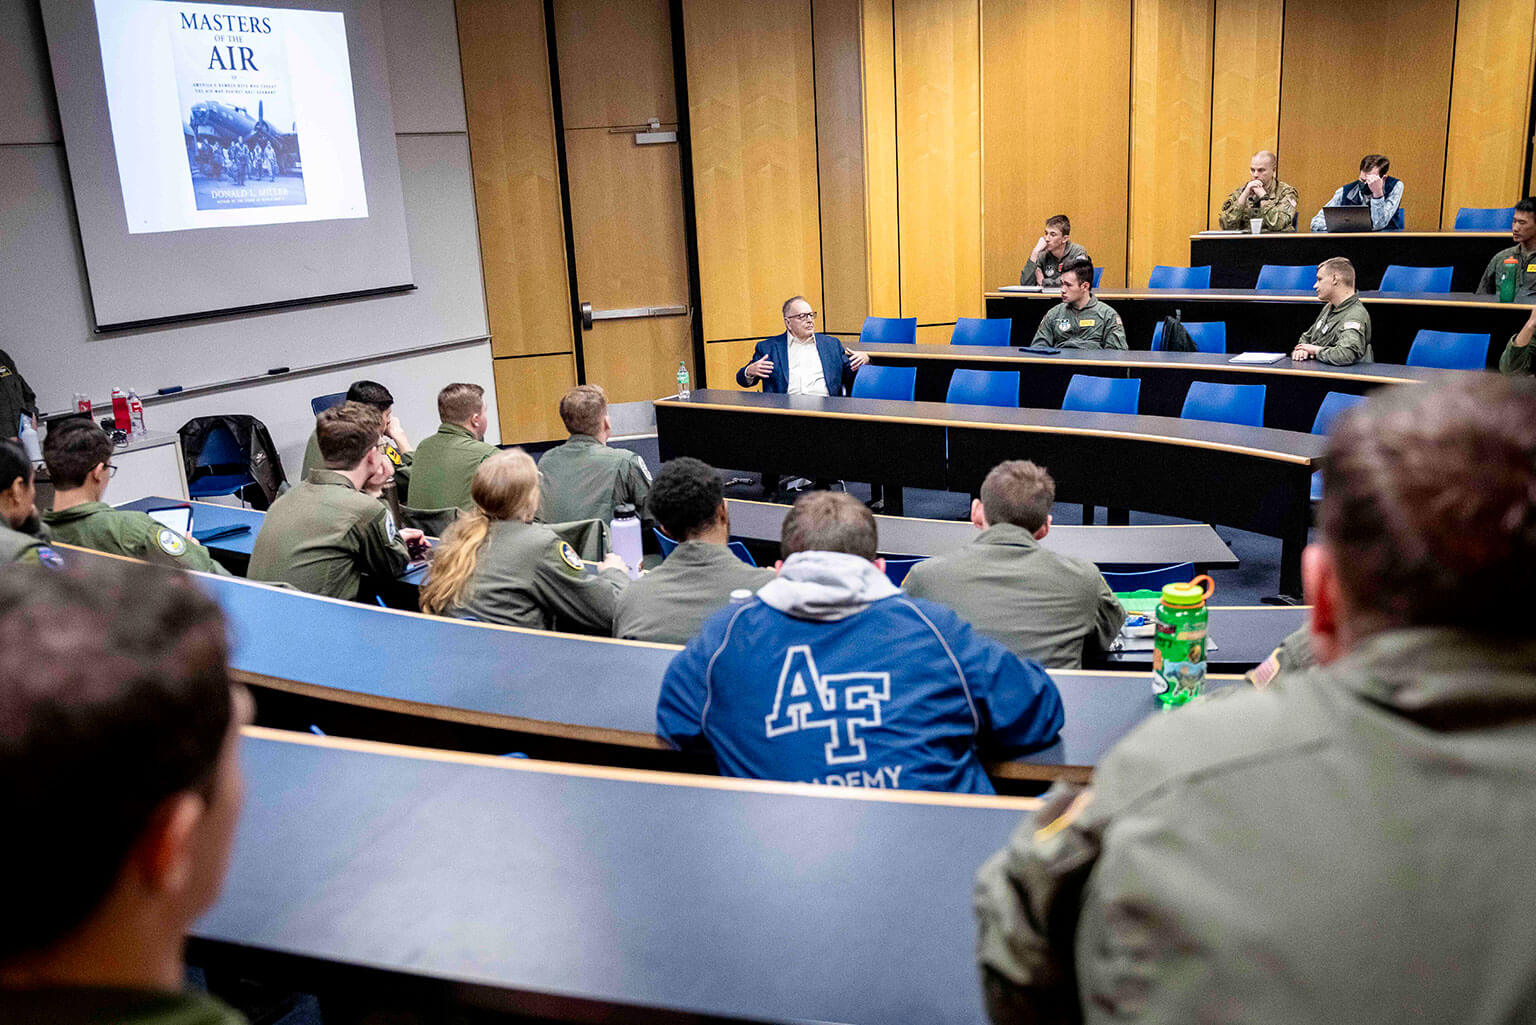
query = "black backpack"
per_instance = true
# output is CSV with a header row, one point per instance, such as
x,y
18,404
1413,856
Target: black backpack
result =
x,y
1175,338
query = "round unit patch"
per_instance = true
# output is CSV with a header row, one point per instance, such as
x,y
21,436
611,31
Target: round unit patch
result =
x,y
50,558
171,543
572,560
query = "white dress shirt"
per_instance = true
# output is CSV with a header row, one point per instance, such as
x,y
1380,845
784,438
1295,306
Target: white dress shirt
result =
x,y
806,376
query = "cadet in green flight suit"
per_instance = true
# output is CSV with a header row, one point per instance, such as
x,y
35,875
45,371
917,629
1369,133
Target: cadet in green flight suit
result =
x,y
1263,196
1353,844
1054,250
1516,358
1523,252
496,565
122,770
397,447
1341,334
670,603
22,535
79,458
446,462
325,535
584,479
1080,321
1040,604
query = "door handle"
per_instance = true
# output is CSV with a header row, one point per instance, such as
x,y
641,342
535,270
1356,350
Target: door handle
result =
x,y
588,314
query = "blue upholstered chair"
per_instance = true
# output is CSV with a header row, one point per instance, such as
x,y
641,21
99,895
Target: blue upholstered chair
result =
x,y
978,331
1089,394
1179,277
1225,403
984,388
1399,278
889,331
1285,277
1334,403
1208,336
885,383
1449,350
1485,218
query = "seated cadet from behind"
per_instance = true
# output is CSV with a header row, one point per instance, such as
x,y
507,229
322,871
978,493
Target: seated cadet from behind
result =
x,y
1080,321
1517,354
496,565
119,739
584,478
446,462
1357,843
1375,189
79,458
1054,249
326,534
398,447
832,675
1523,252
1263,197
670,603
1040,604
22,535
1341,334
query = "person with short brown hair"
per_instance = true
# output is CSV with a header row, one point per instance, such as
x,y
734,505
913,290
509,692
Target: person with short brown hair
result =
x,y
1375,189
1353,843
1341,334
78,455
445,463
1040,604
1052,252
830,674
119,737
1080,320
330,534
585,479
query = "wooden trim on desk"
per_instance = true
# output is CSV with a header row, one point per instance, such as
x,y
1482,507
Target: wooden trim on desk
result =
x,y
650,776
957,353
1213,446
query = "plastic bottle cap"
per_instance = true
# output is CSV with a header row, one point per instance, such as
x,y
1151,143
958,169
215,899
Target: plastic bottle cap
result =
x,y
1190,595
740,594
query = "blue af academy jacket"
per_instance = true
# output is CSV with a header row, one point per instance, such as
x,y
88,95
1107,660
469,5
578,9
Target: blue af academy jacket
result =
x,y
833,675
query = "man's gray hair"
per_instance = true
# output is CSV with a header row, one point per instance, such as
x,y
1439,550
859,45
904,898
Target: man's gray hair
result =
x,y
791,301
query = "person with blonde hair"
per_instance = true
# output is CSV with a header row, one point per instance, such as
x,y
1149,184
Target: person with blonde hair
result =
x,y
497,566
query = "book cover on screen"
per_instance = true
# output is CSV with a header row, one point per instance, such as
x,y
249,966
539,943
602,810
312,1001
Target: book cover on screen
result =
x,y
237,106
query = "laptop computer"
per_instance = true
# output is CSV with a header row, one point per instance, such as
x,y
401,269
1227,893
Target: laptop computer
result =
x,y
1347,218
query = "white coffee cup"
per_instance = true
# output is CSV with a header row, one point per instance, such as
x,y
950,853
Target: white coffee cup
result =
x,y
1256,225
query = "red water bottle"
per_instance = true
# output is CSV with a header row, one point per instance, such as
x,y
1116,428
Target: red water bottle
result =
x,y
121,418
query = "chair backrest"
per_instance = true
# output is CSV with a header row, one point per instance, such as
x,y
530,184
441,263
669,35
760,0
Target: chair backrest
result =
x,y
739,550
1149,579
984,387
221,449
885,382
898,568
1399,278
666,543
889,330
978,331
1277,277
431,522
1208,336
1164,276
1098,275
1089,394
1449,350
320,403
1225,403
1485,218
1334,403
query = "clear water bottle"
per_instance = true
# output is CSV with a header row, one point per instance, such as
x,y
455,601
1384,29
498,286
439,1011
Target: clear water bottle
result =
x,y
625,535
682,381
27,435
135,413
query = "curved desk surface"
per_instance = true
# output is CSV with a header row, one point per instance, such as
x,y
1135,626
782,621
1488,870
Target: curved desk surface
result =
x,y
588,689
1235,259
401,877
1150,545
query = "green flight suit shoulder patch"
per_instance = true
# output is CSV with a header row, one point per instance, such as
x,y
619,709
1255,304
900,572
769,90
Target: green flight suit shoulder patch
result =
x,y
569,557
171,543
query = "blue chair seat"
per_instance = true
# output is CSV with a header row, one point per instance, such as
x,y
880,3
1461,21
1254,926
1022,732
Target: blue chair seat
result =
x,y
1485,218
1208,336
897,568
978,331
1098,275
984,387
320,403
668,546
889,331
1225,403
1278,277
1164,276
1449,350
1089,394
875,382
1399,278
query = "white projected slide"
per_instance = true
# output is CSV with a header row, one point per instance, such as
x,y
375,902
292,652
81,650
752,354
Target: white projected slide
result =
x,y
228,116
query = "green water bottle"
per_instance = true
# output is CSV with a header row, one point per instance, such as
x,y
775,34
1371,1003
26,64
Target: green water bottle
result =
x,y
1178,645
1509,272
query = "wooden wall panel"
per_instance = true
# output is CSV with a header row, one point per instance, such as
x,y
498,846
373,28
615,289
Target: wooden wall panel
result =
x,y
938,158
596,39
1350,88
753,119
528,391
840,159
517,183
1055,129
1245,94
1170,130
878,50
1490,104
723,359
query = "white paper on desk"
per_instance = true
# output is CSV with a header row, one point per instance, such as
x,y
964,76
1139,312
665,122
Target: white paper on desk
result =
x,y
1257,357
1021,288
1223,231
